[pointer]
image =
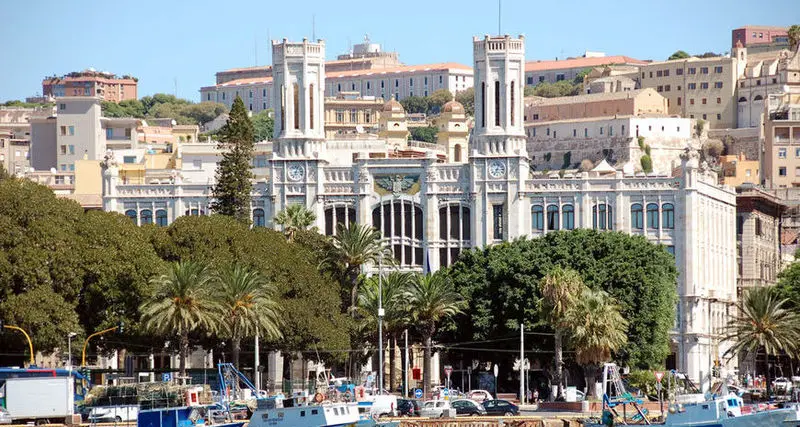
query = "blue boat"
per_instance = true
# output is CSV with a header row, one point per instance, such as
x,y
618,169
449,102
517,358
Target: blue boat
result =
x,y
186,416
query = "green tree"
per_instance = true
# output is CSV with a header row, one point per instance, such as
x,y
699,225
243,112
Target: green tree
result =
x,y
263,125
415,104
557,89
794,36
501,285
248,306
764,322
596,330
233,186
293,218
352,247
203,112
679,54
431,299
466,98
559,289
394,288
424,133
4,173
438,98
647,163
183,303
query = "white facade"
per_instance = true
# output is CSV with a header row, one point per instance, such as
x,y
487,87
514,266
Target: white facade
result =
x,y
430,208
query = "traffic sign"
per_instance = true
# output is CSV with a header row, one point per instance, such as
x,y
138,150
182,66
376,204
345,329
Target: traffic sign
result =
x,y
659,375
448,370
418,393
166,377
445,392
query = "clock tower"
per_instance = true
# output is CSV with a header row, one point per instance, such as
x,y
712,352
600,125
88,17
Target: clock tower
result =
x,y
499,158
298,78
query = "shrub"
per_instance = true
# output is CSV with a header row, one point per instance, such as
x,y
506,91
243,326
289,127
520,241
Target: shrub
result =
x,y
647,163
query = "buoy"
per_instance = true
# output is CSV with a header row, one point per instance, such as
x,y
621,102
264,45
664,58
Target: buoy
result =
x,y
319,397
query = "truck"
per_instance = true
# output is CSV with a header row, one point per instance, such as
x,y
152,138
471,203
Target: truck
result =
x,y
42,400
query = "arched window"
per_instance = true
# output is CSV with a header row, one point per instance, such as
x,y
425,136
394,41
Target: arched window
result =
x,y
259,219
402,223
130,213
457,153
668,215
497,103
338,214
283,107
637,216
296,106
602,217
146,216
568,217
652,216
537,217
758,98
311,105
742,99
552,217
454,231
513,110
161,218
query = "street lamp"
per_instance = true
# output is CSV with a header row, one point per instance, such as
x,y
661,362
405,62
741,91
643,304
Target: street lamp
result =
x,y
70,336
380,323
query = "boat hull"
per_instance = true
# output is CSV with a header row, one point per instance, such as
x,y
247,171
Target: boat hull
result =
x,y
772,418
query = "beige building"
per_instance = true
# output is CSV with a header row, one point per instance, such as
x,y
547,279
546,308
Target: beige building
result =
x,y
737,170
351,114
627,103
764,74
567,69
697,88
781,154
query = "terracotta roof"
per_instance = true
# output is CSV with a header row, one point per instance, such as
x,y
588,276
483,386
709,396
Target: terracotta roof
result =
x,y
258,67
761,27
444,66
55,80
453,107
241,82
564,64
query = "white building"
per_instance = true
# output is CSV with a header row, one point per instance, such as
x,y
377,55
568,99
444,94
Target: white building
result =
x,y
432,201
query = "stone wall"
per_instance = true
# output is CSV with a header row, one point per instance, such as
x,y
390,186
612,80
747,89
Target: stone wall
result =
x,y
745,140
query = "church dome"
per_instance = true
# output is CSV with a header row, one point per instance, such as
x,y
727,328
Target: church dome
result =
x,y
453,107
393,106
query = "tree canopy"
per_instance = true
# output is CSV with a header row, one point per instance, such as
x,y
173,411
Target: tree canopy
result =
x,y
263,126
500,284
424,133
794,36
467,99
679,54
161,106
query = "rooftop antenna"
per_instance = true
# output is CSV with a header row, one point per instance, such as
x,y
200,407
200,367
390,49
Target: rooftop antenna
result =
x,y
255,48
499,16
313,26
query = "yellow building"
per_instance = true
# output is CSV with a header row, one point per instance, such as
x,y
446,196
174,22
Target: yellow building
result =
x,y
737,170
453,134
349,113
393,124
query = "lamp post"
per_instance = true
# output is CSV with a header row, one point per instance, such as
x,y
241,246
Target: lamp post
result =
x,y
27,337
70,336
380,323
117,328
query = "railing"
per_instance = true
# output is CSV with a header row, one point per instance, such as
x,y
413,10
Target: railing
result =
x,y
426,145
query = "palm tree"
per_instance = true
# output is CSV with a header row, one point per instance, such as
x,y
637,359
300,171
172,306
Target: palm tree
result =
x,y
351,248
432,298
248,306
182,303
559,289
293,218
597,329
394,288
764,322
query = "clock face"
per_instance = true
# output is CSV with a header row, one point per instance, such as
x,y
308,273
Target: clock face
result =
x,y
497,169
296,172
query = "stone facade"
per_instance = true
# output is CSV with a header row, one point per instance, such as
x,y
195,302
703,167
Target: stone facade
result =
x,y
430,204
758,223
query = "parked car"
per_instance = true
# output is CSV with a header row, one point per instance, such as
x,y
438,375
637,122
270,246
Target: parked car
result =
x,y
383,405
467,407
434,408
408,408
479,395
581,396
782,384
5,417
500,407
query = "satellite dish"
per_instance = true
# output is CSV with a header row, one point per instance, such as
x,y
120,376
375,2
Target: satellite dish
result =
x,y
174,122
53,170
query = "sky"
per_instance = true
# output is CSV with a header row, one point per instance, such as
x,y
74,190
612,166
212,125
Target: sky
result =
x,y
181,44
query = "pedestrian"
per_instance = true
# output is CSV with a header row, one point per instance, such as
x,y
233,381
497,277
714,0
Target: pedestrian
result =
x,y
536,396
529,396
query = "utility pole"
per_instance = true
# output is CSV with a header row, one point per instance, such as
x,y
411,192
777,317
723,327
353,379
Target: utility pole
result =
x,y
405,366
380,324
522,363
256,372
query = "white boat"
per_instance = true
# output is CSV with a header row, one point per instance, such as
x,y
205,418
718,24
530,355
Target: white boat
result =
x,y
297,413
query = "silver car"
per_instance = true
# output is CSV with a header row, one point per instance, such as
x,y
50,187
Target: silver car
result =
x,y
5,417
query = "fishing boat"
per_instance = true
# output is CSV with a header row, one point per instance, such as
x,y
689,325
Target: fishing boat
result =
x,y
296,412
186,416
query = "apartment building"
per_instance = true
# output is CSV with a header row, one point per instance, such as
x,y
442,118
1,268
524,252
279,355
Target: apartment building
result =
x,y
697,88
781,156
764,74
738,170
567,69
759,38
15,136
350,114
625,103
758,223
91,83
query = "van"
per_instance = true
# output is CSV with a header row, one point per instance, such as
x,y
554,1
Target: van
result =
x,y
384,405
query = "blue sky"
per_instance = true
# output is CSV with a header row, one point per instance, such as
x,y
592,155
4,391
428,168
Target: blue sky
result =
x,y
188,41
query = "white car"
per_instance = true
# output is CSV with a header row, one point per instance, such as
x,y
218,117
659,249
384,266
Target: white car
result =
x,y
384,405
782,384
434,408
479,396
110,414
